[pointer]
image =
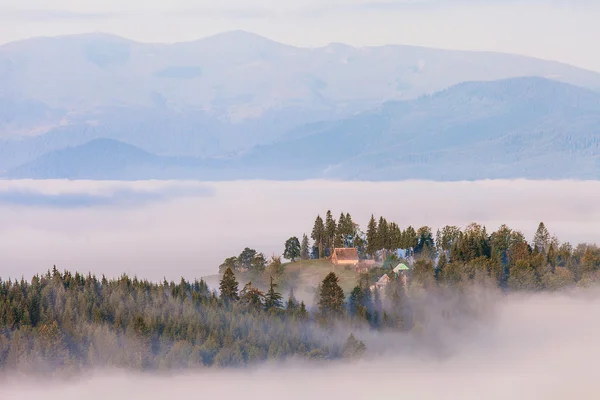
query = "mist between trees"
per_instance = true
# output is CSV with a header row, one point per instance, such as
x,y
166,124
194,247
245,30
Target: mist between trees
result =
x,y
69,322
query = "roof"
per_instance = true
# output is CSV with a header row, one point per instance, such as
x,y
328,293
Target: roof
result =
x,y
400,267
346,254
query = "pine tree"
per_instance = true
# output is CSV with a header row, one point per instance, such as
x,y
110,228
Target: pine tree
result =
x,y
318,234
355,301
383,236
340,237
304,248
273,299
409,239
330,231
348,231
229,287
541,240
292,249
372,237
331,296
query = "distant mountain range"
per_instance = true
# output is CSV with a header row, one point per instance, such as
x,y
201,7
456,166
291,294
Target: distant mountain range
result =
x,y
526,127
239,105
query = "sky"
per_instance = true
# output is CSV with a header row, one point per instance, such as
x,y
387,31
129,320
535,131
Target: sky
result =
x,y
562,30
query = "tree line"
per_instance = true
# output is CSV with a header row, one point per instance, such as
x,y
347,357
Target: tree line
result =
x,y
453,255
65,321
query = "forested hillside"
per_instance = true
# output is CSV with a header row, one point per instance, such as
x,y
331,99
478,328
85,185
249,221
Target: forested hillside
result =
x,y
63,321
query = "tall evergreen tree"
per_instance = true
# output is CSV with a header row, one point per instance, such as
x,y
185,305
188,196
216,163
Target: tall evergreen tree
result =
x,y
372,237
273,299
330,231
229,287
355,302
331,296
409,238
383,237
348,231
541,240
304,248
318,234
425,245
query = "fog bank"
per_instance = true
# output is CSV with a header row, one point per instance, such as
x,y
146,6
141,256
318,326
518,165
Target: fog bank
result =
x,y
536,347
156,229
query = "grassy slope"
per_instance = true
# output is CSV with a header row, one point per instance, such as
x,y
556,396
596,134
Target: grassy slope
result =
x,y
311,272
304,277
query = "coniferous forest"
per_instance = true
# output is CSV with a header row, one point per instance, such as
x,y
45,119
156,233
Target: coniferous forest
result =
x,y
69,321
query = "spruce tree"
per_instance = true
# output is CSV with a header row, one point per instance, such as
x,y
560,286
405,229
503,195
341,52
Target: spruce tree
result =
x,y
355,301
541,240
318,234
273,299
229,287
372,237
383,237
330,231
409,239
304,248
331,296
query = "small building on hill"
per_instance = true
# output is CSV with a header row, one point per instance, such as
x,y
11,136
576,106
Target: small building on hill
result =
x,y
401,270
343,256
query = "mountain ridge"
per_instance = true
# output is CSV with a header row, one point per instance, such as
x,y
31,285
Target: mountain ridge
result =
x,y
515,128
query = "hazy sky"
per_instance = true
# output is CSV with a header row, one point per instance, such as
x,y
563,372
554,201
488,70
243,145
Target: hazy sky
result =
x,y
563,30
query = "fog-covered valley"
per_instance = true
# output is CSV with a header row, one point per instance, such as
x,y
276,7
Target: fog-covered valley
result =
x,y
538,346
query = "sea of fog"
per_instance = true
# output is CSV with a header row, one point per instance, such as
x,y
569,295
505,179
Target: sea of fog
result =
x,y
156,229
541,346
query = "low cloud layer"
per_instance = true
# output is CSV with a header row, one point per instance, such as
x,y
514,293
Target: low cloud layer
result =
x,y
190,235
61,194
533,347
